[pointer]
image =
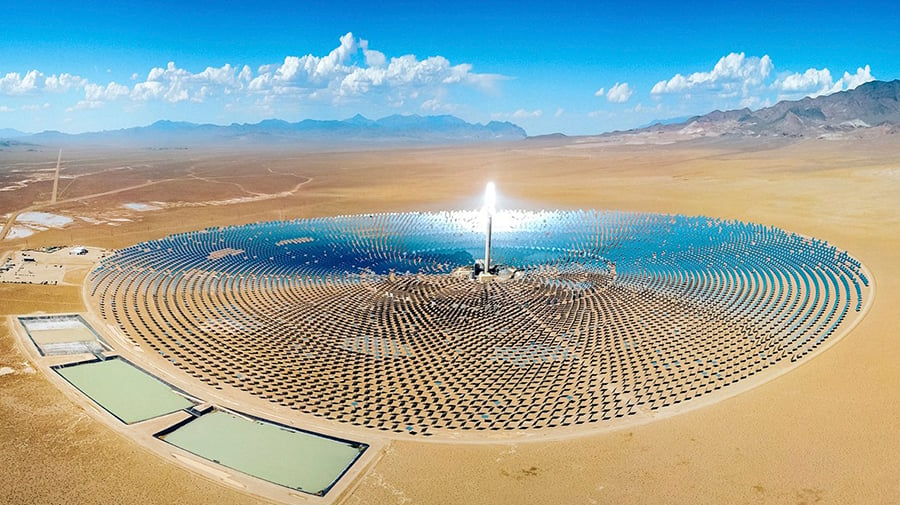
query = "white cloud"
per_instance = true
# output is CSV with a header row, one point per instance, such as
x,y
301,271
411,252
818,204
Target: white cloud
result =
x,y
225,76
732,75
405,72
85,104
619,93
147,90
167,84
45,105
600,92
811,80
352,71
642,108
559,112
524,114
518,114
754,102
112,91
738,80
337,77
600,114
436,105
862,76
15,84
174,84
4,108
373,58
309,71
814,82
64,82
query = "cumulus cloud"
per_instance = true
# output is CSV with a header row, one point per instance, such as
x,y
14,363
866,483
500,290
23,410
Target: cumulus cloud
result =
x,y
619,93
147,90
15,84
812,79
732,75
351,71
309,70
112,91
862,76
339,76
373,58
34,81
815,82
405,71
64,82
174,84
738,80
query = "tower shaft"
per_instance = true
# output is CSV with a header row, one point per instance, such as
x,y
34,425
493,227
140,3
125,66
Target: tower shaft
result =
x,y
487,245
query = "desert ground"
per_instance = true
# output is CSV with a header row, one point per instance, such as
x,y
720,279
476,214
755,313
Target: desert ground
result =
x,y
822,433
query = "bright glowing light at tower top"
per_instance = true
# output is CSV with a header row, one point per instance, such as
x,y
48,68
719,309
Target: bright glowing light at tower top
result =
x,y
490,199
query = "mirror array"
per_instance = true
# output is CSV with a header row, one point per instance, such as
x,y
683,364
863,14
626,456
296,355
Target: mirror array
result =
x,y
360,319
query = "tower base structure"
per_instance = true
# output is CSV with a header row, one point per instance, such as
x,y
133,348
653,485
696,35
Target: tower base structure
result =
x,y
485,277
496,272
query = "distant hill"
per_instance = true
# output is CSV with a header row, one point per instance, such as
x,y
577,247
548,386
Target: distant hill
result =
x,y
874,106
663,122
9,133
356,131
548,137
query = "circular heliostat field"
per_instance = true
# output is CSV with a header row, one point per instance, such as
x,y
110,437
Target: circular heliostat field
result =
x,y
366,320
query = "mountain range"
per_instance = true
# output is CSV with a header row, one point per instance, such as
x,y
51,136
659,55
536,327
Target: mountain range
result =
x,y
358,130
873,106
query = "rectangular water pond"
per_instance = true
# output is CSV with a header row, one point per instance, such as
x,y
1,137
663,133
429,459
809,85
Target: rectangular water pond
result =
x,y
62,334
279,454
124,390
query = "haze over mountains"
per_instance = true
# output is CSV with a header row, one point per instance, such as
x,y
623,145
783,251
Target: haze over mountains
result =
x,y
873,108
358,130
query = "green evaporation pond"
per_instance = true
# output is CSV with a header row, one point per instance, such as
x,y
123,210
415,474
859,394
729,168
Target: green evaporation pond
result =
x,y
290,458
127,392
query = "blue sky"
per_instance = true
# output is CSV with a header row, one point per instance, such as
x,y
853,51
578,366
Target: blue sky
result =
x,y
571,67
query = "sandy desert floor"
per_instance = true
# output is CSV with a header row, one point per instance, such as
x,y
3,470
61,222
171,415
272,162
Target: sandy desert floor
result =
x,y
823,433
